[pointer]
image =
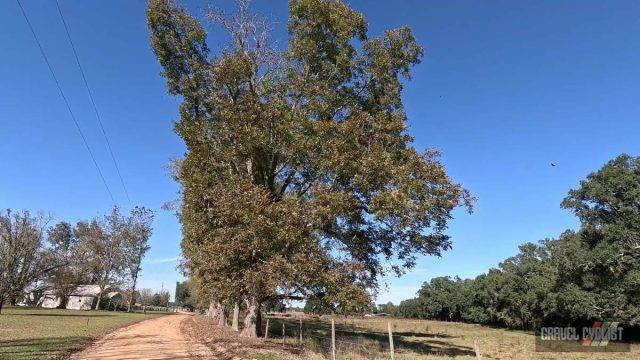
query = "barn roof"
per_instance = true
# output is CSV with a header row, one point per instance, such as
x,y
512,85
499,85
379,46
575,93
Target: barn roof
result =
x,y
86,290
113,293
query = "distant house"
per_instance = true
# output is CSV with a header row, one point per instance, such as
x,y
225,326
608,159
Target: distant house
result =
x,y
376,315
41,298
116,300
83,297
50,300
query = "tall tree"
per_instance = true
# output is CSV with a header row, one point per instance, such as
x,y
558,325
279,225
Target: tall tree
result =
x,y
164,298
103,241
64,249
22,260
183,294
138,231
299,177
608,206
145,297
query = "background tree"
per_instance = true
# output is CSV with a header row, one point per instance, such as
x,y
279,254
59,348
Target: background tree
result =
x,y
94,252
164,298
22,254
528,279
138,231
388,308
64,250
411,308
103,241
580,277
299,178
146,298
183,295
156,299
316,305
608,242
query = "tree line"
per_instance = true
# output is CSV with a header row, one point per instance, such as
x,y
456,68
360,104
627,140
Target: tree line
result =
x,y
581,276
149,298
37,259
183,295
299,178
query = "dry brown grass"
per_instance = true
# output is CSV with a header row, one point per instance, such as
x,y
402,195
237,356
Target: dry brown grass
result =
x,y
423,339
360,338
228,345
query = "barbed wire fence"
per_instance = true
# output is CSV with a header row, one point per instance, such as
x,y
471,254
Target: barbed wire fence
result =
x,y
318,337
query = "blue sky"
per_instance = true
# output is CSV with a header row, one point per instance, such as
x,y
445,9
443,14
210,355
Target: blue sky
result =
x,y
505,89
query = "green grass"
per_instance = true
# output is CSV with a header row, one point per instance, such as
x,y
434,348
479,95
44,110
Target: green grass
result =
x,y
36,333
266,356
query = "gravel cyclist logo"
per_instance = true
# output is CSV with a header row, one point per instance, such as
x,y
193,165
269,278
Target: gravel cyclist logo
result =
x,y
600,337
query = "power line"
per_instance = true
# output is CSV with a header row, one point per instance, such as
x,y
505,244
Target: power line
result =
x,y
93,103
66,102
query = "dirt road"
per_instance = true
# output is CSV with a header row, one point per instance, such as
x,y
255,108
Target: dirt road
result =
x,y
157,339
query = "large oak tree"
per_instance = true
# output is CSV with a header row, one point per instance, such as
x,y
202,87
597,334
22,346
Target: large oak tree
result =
x,y
299,177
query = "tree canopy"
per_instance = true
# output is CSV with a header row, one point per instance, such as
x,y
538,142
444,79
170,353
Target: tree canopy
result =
x,y
299,177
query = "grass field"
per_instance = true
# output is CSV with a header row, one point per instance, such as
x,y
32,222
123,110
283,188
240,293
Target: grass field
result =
x,y
36,333
358,338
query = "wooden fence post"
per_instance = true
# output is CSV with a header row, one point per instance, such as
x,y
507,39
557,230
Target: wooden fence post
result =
x,y
333,339
300,331
476,347
266,330
283,334
391,348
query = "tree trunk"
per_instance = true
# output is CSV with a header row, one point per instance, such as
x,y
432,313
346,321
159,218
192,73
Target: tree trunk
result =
x,y
259,320
63,302
212,309
99,297
133,291
1,303
252,320
236,315
222,317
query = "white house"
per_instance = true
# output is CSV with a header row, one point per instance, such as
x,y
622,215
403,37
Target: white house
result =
x,y
116,299
50,300
83,297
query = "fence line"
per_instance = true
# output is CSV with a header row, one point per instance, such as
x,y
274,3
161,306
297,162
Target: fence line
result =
x,y
328,341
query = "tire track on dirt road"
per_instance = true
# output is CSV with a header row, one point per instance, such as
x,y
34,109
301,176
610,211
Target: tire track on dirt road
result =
x,y
158,339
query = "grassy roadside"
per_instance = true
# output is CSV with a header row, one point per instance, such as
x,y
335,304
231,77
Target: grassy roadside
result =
x,y
36,333
227,344
362,338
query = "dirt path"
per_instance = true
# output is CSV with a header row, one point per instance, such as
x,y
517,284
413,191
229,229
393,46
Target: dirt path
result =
x,y
157,339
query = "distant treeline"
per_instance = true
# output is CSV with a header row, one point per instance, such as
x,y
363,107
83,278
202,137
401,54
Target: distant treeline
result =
x,y
581,276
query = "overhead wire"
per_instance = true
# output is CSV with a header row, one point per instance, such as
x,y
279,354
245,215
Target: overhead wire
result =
x,y
93,103
66,102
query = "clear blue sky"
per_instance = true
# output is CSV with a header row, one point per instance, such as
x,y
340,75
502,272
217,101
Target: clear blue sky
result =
x,y
505,89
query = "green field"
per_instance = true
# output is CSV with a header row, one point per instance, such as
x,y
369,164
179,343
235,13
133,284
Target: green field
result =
x,y
36,333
